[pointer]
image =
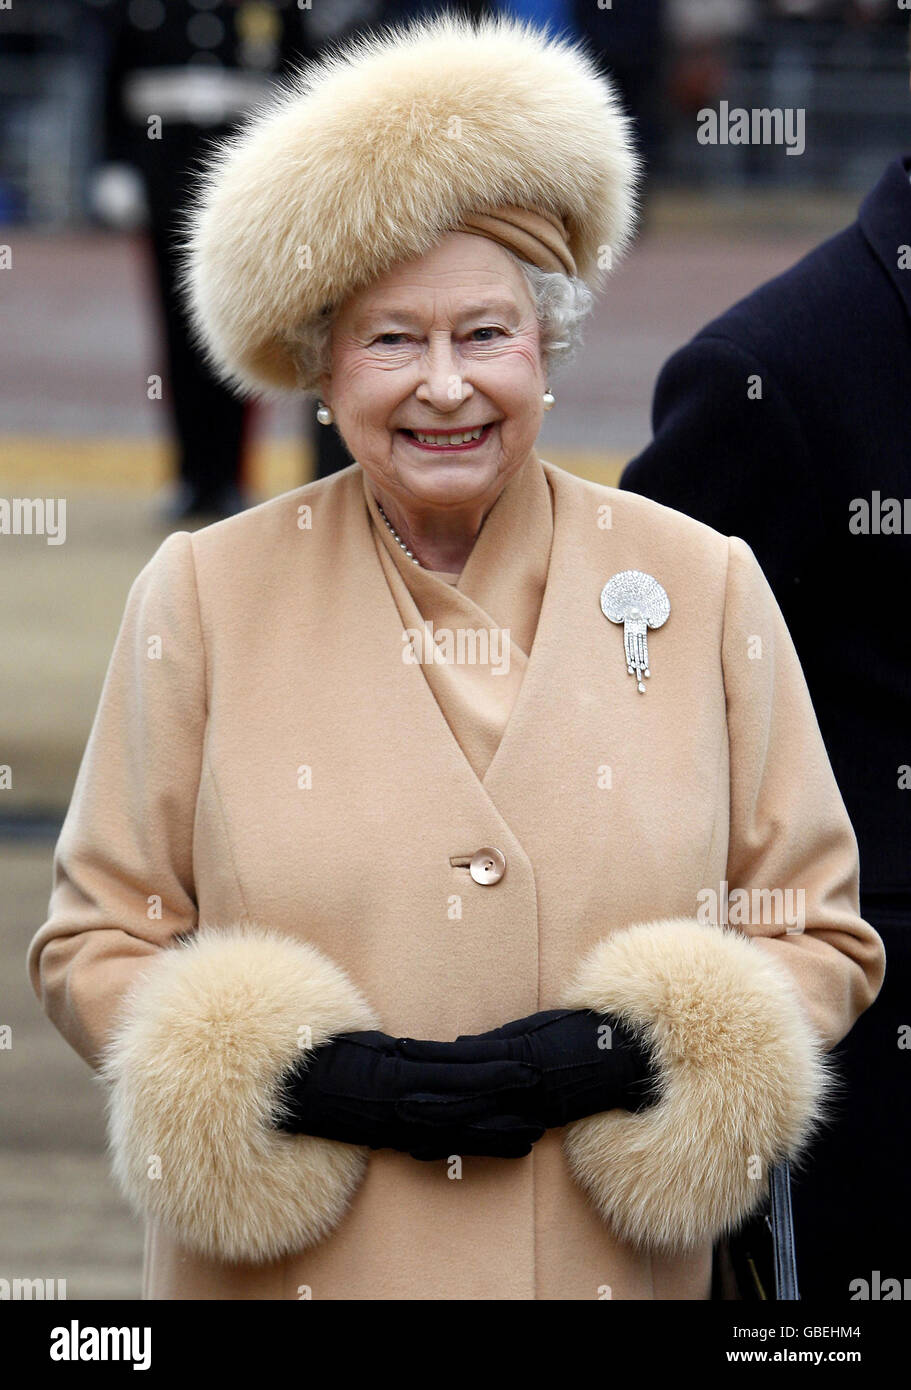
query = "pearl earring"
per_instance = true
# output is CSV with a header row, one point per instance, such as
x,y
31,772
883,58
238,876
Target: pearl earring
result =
x,y
324,414
549,399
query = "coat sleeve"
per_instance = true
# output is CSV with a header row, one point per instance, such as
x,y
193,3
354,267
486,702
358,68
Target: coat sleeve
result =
x,y
190,1025
738,1011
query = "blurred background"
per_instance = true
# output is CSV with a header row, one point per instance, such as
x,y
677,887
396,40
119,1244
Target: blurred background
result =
x,y
103,402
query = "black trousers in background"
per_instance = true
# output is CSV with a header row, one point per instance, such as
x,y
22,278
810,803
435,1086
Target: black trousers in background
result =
x,y
851,1204
211,425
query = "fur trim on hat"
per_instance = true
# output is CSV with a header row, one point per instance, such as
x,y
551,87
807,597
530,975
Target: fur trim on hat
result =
x,y
194,1070
372,153
741,1073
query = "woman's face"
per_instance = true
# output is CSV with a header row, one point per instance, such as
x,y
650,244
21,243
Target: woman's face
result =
x,y
439,345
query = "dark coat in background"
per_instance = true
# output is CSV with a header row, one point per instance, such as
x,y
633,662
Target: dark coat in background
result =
x,y
787,421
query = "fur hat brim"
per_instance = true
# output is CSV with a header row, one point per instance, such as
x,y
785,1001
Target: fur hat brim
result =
x,y
369,155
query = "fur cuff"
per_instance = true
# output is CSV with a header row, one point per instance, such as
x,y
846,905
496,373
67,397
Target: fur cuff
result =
x,y
194,1070
742,1082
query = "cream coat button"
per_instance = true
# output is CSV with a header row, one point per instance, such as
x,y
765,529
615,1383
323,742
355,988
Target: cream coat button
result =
x,y
487,865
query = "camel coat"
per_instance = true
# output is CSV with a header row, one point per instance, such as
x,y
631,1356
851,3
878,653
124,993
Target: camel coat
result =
x,y
269,841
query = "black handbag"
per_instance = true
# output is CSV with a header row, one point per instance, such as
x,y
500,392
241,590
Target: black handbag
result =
x,y
758,1262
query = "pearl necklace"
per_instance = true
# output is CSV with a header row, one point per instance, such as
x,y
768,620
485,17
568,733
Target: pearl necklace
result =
x,y
397,538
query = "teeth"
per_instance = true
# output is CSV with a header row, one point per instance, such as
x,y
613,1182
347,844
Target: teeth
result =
x,y
449,438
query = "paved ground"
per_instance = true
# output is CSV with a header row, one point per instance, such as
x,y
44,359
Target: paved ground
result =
x,y
60,1215
75,422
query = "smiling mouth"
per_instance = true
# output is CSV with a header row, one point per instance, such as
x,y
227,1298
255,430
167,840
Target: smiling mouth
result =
x,y
451,442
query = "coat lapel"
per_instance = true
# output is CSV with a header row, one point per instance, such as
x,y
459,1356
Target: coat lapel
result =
x,y
583,743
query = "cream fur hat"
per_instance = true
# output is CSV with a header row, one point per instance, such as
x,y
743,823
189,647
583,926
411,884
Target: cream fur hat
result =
x,y
368,156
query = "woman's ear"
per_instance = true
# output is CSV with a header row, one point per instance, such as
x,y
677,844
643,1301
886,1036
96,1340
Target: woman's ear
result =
x,y
324,383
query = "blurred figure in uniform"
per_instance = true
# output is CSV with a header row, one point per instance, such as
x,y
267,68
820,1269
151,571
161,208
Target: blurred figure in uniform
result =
x,y
180,75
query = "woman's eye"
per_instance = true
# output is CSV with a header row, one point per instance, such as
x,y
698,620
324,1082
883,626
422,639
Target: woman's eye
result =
x,y
397,339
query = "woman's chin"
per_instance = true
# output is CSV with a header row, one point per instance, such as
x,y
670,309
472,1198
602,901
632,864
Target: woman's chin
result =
x,y
441,480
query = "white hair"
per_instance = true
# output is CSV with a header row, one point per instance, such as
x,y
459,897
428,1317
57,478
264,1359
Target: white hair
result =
x,y
562,303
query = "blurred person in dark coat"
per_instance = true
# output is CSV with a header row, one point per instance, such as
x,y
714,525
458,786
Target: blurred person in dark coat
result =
x,y
787,421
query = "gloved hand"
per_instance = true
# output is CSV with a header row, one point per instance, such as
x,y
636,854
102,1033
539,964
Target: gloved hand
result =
x,y
585,1063
427,1099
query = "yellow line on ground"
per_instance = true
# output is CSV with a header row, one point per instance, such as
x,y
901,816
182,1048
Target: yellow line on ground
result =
x,y
145,465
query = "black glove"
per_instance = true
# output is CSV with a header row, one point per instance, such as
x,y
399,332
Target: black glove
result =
x,y
429,1099
585,1063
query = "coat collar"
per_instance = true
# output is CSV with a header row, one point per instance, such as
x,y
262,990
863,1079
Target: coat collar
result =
x,y
885,220
498,593
505,574
575,653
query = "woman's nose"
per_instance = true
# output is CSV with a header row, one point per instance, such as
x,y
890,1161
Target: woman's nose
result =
x,y
442,384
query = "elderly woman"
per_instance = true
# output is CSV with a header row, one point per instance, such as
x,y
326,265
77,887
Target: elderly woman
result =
x,y
455,896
